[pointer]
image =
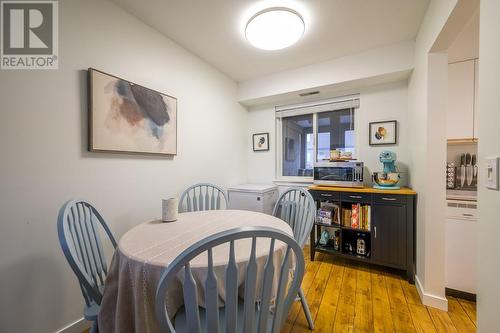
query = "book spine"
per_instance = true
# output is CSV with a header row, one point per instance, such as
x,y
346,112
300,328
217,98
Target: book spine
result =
x,y
365,215
369,216
355,216
361,217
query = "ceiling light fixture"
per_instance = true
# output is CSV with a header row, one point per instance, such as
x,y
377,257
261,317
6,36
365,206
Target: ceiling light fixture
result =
x,y
274,28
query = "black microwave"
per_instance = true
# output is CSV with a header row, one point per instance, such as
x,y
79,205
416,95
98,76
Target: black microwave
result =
x,y
346,174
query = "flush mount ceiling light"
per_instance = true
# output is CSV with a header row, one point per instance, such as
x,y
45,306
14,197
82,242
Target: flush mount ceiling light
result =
x,y
274,28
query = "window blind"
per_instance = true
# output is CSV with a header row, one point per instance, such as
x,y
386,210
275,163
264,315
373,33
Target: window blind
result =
x,y
345,102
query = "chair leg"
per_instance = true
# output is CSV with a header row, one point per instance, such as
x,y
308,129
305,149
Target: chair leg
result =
x,y
94,328
306,309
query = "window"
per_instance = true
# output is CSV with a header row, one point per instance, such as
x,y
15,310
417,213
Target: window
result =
x,y
335,132
298,152
307,134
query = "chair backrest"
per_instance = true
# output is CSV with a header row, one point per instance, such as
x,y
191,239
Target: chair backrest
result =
x,y
78,227
202,196
296,207
255,319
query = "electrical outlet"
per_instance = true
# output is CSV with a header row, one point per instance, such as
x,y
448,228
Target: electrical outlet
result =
x,y
492,173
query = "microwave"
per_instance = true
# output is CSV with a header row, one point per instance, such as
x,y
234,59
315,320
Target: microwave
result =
x,y
344,174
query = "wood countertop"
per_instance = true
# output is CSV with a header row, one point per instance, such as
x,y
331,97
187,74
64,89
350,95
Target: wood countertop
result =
x,y
402,191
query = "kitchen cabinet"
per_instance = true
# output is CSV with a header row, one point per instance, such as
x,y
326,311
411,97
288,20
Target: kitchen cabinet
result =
x,y
460,106
460,255
461,247
389,234
476,98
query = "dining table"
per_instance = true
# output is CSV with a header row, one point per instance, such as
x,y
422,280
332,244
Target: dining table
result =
x,y
128,303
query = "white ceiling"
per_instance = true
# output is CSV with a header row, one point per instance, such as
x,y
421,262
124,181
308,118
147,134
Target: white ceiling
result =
x,y
213,29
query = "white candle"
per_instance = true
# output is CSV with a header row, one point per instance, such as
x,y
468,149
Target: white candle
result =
x,y
169,209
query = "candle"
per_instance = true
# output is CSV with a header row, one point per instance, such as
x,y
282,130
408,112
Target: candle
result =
x,y
169,209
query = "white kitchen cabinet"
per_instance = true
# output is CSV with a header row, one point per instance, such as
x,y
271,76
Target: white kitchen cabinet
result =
x,y
476,97
460,110
460,255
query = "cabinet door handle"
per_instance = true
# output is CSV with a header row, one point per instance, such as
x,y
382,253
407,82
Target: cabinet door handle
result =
x,y
389,199
469,215
326,195
375,231
355,197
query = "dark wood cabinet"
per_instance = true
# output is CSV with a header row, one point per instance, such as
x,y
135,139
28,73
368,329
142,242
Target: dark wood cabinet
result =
x,y
389,199
389,238
389,235
356,197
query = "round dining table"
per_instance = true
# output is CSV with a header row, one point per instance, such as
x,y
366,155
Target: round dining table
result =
x,y
128,303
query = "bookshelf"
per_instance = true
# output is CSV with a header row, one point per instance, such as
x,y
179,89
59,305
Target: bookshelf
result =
x,y
376,226
348,225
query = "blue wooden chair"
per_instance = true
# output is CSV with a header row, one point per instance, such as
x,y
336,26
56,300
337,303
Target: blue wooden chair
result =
x,y
296,207
202,196
253,313
78,227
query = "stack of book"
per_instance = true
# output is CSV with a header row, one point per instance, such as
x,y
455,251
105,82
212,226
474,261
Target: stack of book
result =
x,y
325,215
357,217
328,214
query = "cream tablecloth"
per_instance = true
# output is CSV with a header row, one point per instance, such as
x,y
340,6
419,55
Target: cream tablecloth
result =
x,y
144,251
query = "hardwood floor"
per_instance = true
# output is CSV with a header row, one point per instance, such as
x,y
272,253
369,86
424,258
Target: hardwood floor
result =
x,y
352,297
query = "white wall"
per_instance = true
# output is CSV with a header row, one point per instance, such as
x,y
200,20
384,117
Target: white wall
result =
x,y
382,102
44,160
489,209
466,45
426,139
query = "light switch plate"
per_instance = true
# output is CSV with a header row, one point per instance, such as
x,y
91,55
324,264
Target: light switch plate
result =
x,y
492,173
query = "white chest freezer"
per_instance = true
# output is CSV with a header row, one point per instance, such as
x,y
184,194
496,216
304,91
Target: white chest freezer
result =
x,y
254,197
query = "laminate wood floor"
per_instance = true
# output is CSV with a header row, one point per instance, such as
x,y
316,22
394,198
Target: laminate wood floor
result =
x,y
345,296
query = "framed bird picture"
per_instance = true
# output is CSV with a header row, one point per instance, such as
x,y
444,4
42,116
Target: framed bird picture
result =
x,y
383,133
261,142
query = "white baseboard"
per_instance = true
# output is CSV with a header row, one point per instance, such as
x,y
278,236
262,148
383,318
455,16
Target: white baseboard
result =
x,y
433,301
78,326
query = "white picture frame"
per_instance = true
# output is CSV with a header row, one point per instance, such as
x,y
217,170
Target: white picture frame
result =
x,y
383,133
260,142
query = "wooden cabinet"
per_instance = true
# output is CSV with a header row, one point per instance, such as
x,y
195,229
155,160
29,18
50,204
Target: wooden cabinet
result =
x,y
389,199
389,238
389,234
460,110
356,197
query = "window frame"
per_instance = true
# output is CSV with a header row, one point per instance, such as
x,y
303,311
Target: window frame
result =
x,y
314,108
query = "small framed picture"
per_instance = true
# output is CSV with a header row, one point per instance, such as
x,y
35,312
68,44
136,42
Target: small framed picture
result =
x,y
261,142
383,133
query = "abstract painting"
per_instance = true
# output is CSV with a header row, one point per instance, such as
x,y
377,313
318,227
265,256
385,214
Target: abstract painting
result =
x,y
383,133
127,117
